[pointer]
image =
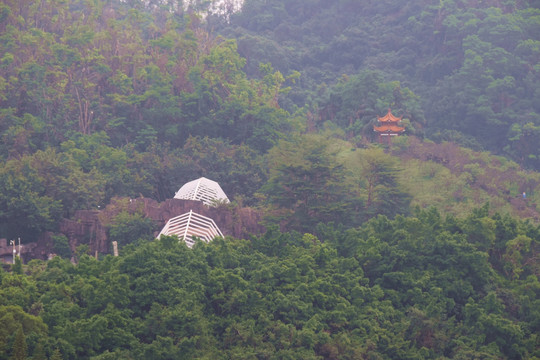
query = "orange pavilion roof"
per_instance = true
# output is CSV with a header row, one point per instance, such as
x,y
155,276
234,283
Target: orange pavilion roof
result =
x,y
389,129
389,117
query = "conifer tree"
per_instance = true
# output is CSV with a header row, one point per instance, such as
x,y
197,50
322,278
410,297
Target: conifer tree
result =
x,y
19,346
56,355
17,267
39,352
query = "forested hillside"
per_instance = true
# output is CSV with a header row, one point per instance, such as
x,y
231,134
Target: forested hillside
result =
x,y
418,287
426,247
102,99
473,66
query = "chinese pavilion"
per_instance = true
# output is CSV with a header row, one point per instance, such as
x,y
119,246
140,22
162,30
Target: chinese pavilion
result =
x,y
388,127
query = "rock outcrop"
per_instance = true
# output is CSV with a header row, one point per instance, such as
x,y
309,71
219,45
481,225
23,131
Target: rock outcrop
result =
x,y
25,251
90,226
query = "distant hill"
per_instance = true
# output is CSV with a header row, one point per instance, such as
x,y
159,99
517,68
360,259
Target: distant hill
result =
x,y
456,180
474,65
130,99
336,246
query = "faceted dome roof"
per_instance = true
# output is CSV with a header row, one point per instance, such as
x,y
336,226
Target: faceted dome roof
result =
x,y
191,224
202,189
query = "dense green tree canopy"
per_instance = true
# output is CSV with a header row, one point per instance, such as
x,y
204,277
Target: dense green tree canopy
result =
x,y
424,286
306,183
277,102
474,65
115,98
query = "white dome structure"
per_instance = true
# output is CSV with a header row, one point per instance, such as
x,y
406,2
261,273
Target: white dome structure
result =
x,y
203,189
191,224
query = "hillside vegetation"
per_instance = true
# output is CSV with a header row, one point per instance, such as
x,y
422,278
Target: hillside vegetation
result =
x,y
410,288
103,99
473,65
423,248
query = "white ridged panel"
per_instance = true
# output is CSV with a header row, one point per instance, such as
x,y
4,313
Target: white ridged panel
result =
x,y
203,189
191,224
